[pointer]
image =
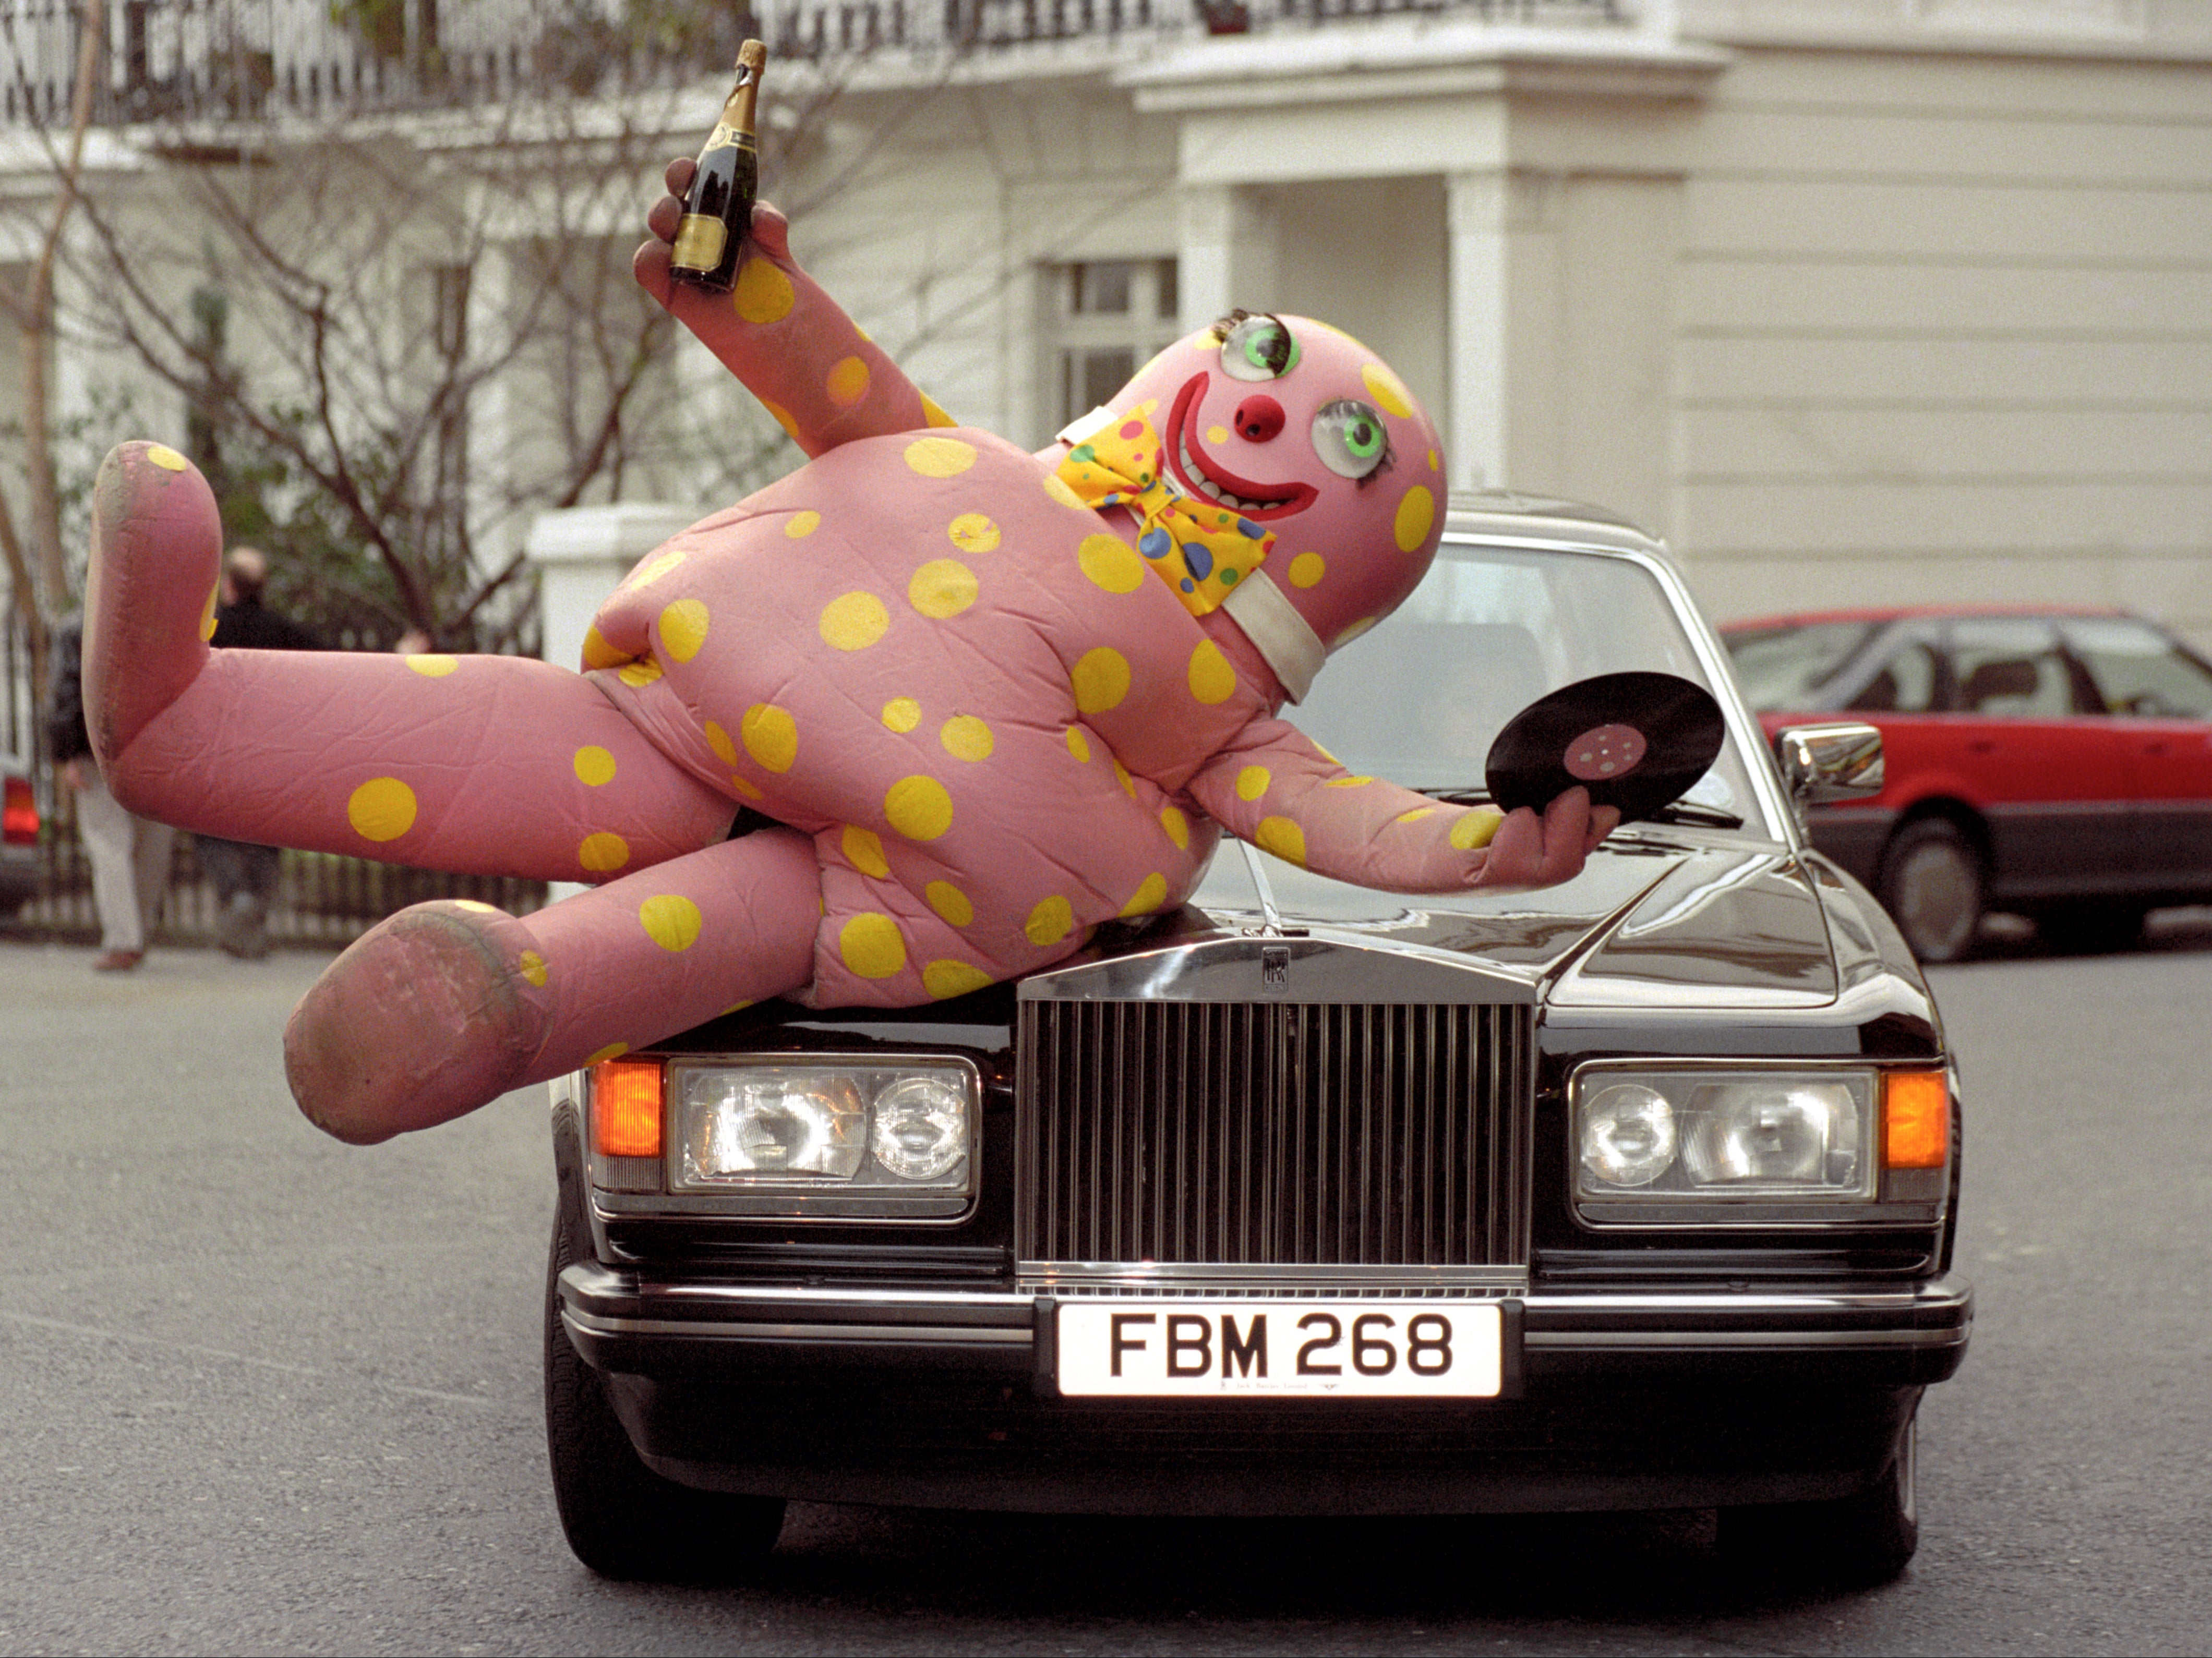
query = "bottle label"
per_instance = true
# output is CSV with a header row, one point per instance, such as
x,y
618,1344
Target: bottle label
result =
x,y
725,136
700,240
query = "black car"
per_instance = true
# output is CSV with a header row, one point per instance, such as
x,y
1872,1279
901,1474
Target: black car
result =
x,y
1636,1192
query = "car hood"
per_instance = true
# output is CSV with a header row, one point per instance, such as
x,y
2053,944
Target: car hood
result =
x,y
1654,919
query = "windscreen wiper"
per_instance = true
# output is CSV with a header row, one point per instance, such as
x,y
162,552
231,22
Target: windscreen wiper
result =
x,y
1688,811
1681,811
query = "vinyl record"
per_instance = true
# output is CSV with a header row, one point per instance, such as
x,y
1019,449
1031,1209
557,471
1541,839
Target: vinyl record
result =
x,y
1638,741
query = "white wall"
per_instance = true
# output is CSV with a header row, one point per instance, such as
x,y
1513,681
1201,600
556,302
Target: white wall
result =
x,y
1944,333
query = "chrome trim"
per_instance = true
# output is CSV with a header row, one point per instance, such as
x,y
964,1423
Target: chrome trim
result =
x,y
1177,1277
1676,1340
1257,1134
1270,917
1323,966
1280,1293
1938,1294
1948,1298
964,1334
1840,760
1011,1301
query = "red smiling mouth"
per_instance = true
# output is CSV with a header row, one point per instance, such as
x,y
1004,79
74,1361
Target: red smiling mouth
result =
x,y
1200,475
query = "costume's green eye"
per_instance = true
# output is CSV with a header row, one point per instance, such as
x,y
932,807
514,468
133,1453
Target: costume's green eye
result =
x,y
1351,438
1259,349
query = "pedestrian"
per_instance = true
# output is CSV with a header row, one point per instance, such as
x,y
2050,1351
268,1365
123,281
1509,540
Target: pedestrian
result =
x,y
245,875
129,854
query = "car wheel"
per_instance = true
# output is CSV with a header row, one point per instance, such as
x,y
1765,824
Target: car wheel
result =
x,y
2092,928
622,1520
1931,884
1851,1542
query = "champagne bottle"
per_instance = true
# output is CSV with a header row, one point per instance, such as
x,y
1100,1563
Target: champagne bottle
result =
x,y
717,210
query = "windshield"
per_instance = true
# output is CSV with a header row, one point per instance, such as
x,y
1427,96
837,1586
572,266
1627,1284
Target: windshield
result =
x,y
1782,668
1420,699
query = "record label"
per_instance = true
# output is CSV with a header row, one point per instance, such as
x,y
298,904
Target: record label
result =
x,y
1607,751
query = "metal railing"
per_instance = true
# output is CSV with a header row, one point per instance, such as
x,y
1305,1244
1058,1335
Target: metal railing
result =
x,y
322,902
256,60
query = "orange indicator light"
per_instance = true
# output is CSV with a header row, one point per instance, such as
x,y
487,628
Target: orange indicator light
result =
x,y
626,1108
1915,1119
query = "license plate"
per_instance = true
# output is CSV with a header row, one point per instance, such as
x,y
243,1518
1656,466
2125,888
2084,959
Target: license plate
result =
x,y
1343,1349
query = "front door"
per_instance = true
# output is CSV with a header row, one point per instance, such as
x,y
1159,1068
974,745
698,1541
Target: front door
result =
x,y
2158,695
2053,777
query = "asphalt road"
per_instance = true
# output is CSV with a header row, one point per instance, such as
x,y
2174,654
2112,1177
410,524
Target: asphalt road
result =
x,y
260,1391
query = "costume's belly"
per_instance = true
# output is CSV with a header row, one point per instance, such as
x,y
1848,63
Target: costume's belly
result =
x,y
916,652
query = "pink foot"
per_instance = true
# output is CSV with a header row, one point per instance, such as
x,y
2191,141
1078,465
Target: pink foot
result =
x,y
430,1014
150,595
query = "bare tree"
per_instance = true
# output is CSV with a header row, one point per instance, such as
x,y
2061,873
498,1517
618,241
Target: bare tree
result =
x,y
399,332
37,569
398,312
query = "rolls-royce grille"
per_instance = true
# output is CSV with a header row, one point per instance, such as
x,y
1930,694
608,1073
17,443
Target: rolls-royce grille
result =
x,y
1273,1134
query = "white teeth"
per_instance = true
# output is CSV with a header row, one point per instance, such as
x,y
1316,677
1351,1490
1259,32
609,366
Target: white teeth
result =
x,y
1207,487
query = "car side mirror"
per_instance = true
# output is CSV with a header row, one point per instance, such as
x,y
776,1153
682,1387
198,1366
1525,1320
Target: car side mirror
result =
x,y
1839,762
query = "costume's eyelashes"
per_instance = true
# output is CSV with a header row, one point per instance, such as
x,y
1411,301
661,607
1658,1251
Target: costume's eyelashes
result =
x,y
1278,352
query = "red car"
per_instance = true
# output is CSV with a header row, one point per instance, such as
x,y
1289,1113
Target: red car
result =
x,y
2055,763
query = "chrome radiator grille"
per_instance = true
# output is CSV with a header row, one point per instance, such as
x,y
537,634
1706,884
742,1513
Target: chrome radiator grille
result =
x,y
1273,1134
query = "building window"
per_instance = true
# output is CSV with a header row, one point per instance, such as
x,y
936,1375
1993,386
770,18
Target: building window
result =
x,y
1108,318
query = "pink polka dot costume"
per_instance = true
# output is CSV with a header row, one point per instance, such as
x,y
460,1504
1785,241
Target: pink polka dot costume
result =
x,y
992,700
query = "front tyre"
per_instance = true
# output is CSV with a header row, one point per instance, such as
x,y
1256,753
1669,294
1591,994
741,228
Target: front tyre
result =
x,y
1931,884
1848,1542
622,1520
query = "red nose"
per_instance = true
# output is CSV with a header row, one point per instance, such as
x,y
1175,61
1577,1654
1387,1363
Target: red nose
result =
x,y
1258,419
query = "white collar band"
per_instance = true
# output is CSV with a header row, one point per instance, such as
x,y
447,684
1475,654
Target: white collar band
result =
x,y
1278,632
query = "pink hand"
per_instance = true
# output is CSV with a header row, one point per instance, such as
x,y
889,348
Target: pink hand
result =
x,y
1528,851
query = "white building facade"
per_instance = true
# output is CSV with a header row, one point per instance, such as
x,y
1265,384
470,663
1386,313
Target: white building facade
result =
x,y
1854,301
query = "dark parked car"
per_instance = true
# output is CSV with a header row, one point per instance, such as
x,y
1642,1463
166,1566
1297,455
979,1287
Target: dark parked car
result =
x,y
1636,1192
2052,764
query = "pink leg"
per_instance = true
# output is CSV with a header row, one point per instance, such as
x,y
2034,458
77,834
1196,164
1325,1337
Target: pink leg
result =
x,y
477,764
446,1006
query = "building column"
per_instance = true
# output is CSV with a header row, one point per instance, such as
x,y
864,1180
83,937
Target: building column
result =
x,y
1227,254
1477,267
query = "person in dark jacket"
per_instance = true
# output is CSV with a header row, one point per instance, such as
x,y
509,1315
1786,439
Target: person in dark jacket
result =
x,y
129,855
245,875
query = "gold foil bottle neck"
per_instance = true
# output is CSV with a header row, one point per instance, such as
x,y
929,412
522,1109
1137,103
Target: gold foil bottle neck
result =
x,y
738,110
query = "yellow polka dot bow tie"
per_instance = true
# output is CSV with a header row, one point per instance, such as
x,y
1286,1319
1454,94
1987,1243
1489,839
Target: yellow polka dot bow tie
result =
x,y
1200,549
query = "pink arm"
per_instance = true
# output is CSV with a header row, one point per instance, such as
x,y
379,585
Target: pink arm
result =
x,y
1276,787
790,342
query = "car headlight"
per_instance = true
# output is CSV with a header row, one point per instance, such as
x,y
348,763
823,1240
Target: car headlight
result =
x,y
1757,1145
823,1135
920,1128
1777,1137
1628,1136
736,1124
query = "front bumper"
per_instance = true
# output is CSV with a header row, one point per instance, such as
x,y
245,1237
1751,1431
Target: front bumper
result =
x,y
1625,1400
